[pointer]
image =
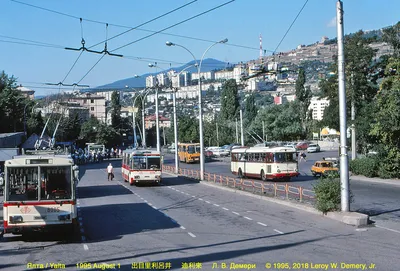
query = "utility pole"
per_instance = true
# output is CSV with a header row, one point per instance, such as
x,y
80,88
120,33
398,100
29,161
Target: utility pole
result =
x,y
241,127
263,130
216,124
163,132
237,132
157,122
344,170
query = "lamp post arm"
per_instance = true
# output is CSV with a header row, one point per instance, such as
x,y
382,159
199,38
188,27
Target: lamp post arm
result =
x,y
205,52
194,58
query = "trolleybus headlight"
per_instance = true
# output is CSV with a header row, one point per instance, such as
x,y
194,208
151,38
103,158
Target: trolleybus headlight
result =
x,y
64,217
279,171
16,219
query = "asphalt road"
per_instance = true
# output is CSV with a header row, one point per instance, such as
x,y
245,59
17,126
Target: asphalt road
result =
x,y
380,201
183,221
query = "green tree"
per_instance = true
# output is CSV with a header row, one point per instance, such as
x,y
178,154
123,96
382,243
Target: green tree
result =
x,y
35,124
386,126
89,130
72,128
250,109
115,110
229,101
303,95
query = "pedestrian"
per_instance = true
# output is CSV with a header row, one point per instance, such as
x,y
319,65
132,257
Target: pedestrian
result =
x,y
110,171
303,156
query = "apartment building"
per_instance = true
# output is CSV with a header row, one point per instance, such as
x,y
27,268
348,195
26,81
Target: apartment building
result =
x,y
150,122
318,106
95,103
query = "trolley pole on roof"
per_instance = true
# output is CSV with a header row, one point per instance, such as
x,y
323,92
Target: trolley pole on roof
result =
x,y
344,170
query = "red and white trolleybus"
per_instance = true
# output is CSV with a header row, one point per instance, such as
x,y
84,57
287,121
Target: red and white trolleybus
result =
x,y
141,166
39,194
266,163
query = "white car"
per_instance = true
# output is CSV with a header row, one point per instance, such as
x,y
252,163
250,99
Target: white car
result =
x,y
218,151
313,148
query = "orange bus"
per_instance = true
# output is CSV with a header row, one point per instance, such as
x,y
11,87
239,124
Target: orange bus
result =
x,y
189,152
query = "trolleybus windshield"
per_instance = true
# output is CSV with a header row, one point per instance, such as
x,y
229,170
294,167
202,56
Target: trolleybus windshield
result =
x,y
23,183
284,157
146,162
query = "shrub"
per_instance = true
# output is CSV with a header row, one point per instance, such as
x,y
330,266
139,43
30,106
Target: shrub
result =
x,y
328,194
367,166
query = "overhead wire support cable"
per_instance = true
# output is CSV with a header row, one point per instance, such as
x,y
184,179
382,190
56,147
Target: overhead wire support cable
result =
x,y
83,48
181,22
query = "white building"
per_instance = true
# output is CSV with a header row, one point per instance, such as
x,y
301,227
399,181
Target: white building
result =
x,y
224,75
150,81
163,79
318,106
210,75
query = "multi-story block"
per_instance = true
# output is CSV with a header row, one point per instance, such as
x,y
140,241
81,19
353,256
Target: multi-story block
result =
x,y
95,103
150,122
151,81
318,106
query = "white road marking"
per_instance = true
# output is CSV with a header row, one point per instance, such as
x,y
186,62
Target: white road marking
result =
x,y
226,209
387,229
208,201
182,227
262,224
146,201
191,234
278,231
216,205
177,190
85,247
200,199
193,196
362,229
248,218
182,192
236,213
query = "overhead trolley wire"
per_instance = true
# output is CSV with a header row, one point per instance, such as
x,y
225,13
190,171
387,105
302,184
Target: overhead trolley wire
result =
x,y
181,22
287,31
140,29
149,21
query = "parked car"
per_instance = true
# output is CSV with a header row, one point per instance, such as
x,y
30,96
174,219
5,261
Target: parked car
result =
x,y
302,146
313,148
322,168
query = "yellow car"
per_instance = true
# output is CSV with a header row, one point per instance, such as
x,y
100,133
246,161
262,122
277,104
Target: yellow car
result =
x,y
322,168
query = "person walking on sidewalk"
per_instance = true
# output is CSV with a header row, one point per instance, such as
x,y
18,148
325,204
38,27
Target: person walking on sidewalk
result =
x,y
110,172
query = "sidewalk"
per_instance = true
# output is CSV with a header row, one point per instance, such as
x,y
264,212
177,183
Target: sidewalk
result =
x,y
361,178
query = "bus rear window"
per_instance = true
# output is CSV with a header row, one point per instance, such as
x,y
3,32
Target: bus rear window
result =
x,y
55,183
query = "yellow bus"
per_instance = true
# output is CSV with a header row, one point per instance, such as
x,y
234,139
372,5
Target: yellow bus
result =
x,y
189,152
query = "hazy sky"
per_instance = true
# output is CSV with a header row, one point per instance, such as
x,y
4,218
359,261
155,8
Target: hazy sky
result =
x,y
241,21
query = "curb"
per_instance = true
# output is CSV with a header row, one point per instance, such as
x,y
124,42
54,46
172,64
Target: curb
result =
x,y
349,218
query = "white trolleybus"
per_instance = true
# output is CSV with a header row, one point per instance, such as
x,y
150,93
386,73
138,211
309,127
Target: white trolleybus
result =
x,y
265,163
141,166
39,194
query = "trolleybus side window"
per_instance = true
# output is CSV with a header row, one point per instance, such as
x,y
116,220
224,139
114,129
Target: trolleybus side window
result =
x,y
22,183
153,162
55,183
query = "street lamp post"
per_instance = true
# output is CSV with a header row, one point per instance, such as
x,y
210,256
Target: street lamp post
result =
x,y
157,116
168,43
143,120
176,120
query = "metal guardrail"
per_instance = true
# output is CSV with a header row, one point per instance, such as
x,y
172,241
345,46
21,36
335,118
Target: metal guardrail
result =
x,y
283,191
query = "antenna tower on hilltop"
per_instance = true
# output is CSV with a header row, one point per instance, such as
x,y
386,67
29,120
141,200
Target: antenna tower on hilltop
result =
x,y
261,50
